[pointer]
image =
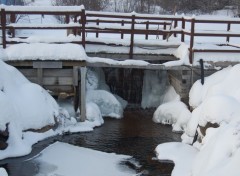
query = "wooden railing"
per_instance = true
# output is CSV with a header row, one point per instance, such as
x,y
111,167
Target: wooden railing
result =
x,y
132,24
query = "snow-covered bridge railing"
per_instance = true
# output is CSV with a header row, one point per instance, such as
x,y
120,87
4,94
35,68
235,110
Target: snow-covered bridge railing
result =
x,y
124,26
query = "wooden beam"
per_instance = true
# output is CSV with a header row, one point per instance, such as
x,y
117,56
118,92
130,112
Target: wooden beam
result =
x,y
83,71
3,24
40,76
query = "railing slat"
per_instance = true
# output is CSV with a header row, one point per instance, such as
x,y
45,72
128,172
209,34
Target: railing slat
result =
x,y
132,37
3,23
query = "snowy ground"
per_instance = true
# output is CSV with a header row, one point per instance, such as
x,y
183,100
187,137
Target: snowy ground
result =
x,y
216,152
80,161
216,102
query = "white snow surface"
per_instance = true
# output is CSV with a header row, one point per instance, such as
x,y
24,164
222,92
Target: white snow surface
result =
x,y
65,159
3,172
17,95
25,106
175,113
44,51
181,154
217,101
99,93
107,103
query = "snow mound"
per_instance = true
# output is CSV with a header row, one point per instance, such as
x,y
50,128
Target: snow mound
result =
x,y
216,101
220,153
24,106
25,103
3,172
177,152
93,114
44,51
107,103
175,113
80,160
200,92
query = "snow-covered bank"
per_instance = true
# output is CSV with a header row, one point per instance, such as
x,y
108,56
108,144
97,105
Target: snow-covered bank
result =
x,y
80,161
24,106
216,117
27,107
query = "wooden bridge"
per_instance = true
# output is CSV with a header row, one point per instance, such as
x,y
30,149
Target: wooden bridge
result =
x,y
133,36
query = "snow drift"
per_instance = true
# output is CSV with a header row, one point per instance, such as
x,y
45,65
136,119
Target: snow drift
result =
x,y
218,150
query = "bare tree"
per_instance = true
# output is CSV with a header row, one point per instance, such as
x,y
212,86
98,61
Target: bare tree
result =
x,y
89,4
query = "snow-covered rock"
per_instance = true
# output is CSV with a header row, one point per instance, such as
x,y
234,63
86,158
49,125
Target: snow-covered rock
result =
x,y
107,103
175,113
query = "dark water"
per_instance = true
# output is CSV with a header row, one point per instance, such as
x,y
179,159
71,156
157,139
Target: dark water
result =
x,y
134,135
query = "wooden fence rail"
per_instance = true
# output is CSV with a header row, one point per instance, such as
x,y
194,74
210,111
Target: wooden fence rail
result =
x,y
82,22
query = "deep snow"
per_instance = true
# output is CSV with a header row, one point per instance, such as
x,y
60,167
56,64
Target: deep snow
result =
x,y
217,151
80,161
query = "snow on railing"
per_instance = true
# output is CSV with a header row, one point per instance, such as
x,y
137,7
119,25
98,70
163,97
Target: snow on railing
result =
x,y
118,23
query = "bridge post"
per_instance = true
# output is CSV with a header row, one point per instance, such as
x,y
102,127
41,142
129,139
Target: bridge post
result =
x,y
191,52
228,29
83,21
82,107
147,27
164,27
67,18
13,20
122,24
183,28
97,33
3,23
175,25
132,37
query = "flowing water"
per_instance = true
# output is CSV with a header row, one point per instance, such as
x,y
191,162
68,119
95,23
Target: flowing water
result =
x,y
135,135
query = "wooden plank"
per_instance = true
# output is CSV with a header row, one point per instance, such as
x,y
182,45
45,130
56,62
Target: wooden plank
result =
x,y
3,24
40,76
57,72
52,81
20,63
47,64
132,37
29,72
59,89
75,73
83,94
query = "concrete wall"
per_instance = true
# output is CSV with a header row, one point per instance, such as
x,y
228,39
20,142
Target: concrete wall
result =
x,y
183,79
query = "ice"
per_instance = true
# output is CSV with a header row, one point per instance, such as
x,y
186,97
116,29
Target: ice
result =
x,y
107,103
94,113
154,87
65,159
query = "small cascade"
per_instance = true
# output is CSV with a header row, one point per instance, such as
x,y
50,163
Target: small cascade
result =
x,y
127,83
